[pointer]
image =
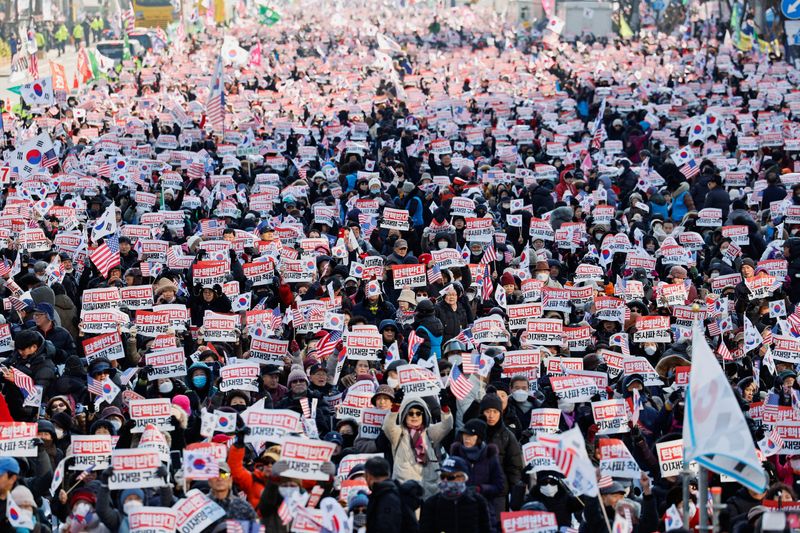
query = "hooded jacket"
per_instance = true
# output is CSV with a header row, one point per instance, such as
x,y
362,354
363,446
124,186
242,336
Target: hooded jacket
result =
x,y
406,466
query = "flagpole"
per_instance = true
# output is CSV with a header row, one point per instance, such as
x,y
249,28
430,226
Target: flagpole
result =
x,y
702,475
603,508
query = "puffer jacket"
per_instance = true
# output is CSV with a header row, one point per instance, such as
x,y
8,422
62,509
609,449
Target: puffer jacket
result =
x,y
485,474
452,321
406,466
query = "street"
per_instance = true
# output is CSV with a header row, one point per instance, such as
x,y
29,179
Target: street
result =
x,y
69,59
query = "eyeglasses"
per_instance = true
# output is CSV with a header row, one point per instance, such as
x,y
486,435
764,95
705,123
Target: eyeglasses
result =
x,y
448,477
224,475
415,413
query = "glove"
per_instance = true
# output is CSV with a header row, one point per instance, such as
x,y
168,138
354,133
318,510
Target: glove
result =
x,y
326,468
146,370
105,474
279,467
162,472
240,435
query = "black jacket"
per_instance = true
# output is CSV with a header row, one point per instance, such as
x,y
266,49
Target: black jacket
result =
x,y
510,452
452,321
467,514
718,198
324,412
385,510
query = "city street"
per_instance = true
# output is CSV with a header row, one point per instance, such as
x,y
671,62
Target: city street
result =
x,y
69,59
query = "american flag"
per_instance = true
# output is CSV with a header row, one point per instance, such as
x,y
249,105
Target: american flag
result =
x,y
767,336
459,384
49,157
414,342
33,66
215,106
435,274
302,172
636,402
24,382
605,481
95,386
104,169
275,319
284,513
298,318
104,258
151,269
471,363
487,286
598,136
327,344
465,336
713,328
17,304
690,169
489,255
563,458
83,475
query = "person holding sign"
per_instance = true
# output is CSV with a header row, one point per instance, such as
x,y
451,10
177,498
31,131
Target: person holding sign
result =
x,y
415,442
222,494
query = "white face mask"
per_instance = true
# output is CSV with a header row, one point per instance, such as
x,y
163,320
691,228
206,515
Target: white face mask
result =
x,y
598,236
131,506
165,387
287,492
650,350
442,245
542,276
82,509
117,424
548,490
59,433
520,395
392,382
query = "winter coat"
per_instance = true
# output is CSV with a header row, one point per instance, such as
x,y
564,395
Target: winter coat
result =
x,y
432,335
385,509
452,321
385,310
485,474
509,450
68,313
405,462
563,504
467,514
718,198
324,412
251,483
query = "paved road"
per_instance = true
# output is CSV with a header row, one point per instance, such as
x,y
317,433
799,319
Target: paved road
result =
x,y
69,59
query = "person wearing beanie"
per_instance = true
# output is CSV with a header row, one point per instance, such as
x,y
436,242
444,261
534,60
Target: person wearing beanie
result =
x,y
26,503
297,383
44,316
486,473
357,507
492,407
30,358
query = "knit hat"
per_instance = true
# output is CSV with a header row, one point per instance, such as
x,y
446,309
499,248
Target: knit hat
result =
x,y
476,427
182,401
359,499
678,271
491,401
749,262
507,279
23,496
296,375
125,494
385,390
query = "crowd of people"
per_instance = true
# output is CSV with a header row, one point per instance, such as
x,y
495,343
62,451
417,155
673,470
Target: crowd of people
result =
x,y
374,269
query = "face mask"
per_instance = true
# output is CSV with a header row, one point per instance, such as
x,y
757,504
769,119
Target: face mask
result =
x,y
59,433
199,381
165,387
649,350
117,425
239,408
287,492
131,506
795,464
360,519
375,191
452,489
348,440
548,490
350,290
392,382
442,245
520,395
82,509
598,236
542,276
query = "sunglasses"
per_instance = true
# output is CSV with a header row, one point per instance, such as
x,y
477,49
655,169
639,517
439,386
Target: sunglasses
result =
x,y
224,475
415,413
448,477
550,481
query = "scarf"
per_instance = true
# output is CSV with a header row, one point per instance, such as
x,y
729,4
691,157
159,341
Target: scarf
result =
x,y
418,443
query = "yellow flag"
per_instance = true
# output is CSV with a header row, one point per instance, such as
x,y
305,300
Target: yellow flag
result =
x,y
624,30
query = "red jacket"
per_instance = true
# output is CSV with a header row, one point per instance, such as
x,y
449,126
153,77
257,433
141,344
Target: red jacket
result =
x,y
251,483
